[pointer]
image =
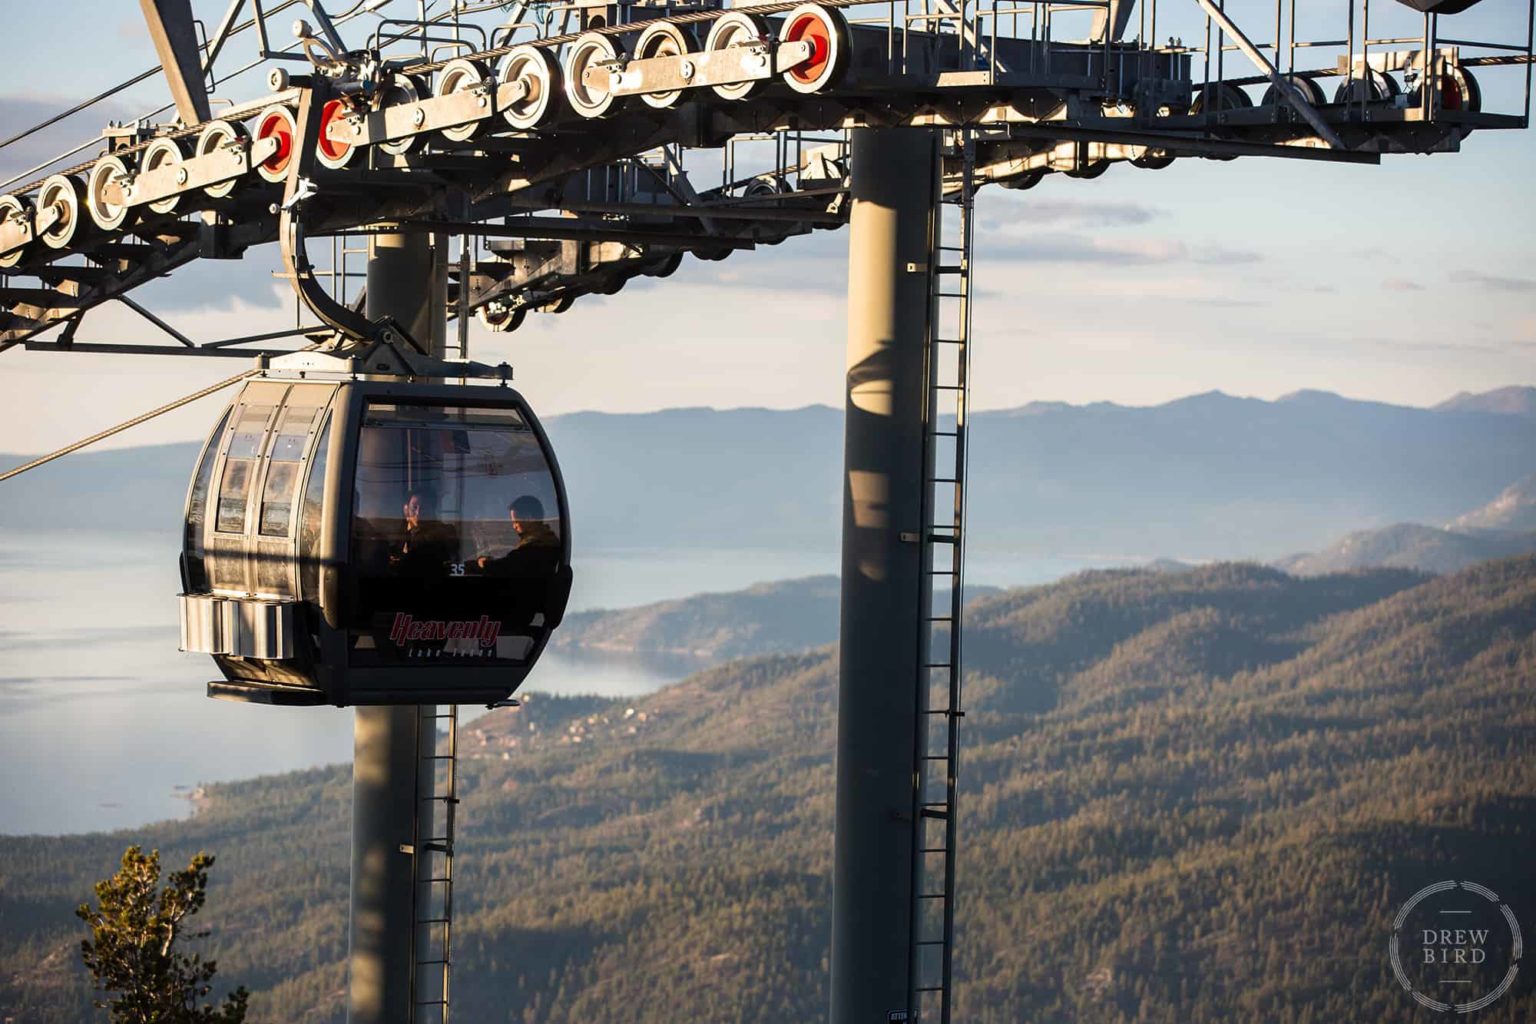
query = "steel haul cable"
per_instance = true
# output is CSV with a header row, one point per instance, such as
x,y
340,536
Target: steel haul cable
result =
x,y
141,418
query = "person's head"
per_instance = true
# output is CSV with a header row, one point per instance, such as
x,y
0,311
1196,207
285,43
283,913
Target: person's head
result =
x,y
525,512
417,504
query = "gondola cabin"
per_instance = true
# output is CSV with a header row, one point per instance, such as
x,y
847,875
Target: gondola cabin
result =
x,y
374,542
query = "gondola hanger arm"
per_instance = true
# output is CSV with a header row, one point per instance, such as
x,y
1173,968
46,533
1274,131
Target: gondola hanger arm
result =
x,y
354,330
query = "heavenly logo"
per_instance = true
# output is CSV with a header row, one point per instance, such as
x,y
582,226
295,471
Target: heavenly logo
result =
x,y
407,628
1455,947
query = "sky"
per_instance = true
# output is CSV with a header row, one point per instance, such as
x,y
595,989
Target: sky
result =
x,y
1405,282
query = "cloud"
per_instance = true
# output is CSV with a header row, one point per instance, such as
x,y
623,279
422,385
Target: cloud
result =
x,y
224,284
1107,251
1229,303
1518,285
18,113
1448,348
806,264
1401,284
1077,212
1215,255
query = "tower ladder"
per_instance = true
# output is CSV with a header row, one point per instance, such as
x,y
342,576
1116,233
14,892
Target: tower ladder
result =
x,y
436,807
943,564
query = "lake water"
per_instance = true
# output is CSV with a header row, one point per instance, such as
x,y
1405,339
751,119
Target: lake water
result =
x,y
104,723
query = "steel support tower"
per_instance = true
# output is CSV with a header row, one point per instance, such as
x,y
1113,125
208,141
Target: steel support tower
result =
x,y
392,755
884,590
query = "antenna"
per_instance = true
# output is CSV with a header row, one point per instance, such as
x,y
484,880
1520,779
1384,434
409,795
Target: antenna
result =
x,y
521,157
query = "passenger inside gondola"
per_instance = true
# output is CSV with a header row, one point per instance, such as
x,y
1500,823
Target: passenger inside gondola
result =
x,y
537,552
425,545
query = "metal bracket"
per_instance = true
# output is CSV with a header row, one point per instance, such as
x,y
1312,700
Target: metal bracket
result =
x,y
730,66
354,330
1283,86
197,172
426,115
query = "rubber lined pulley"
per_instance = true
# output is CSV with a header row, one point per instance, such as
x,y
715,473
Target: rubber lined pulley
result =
x,y
1307,87
403,91
1372,87
539,75
662,39
1221,96
104,193
163,154
738,29
60,200
15,208
1459,92
462,75
216,136
277,123
827,32
588,92
502,318
333,152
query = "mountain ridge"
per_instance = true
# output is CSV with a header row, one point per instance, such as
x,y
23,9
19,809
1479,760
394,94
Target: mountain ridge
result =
x,y
1202,478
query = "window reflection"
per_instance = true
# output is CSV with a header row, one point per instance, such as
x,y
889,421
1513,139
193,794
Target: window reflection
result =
x,y
452,491
240,467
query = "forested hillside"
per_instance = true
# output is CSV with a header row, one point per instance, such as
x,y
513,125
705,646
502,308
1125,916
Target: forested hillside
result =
x,y
1188,797
1411,546
763,619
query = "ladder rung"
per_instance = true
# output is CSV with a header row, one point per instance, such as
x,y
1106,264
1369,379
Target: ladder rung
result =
x,y
430,963
931,942
951,270
929,812
939,618
931,988
435,920
934,849
930,896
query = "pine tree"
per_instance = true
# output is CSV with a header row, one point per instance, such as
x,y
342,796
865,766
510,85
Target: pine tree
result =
x,y
132,949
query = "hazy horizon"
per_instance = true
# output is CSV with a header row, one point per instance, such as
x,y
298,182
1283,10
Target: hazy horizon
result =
x,y
130,439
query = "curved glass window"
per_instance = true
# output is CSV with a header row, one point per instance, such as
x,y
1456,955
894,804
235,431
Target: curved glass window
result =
x,y
452,491
311,518
240,467
197,512
283,470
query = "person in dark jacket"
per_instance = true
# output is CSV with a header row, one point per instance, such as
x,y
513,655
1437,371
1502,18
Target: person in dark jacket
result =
x,y
538,547
425,545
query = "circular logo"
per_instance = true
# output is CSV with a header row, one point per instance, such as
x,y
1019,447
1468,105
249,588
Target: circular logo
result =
x,y
1456,946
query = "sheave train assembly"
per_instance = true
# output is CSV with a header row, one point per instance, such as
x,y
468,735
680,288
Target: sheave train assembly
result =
x,y
378,521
